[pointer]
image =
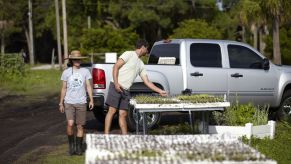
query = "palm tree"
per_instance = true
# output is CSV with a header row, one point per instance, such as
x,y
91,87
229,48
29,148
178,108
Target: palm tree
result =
x,y
250,15
276,10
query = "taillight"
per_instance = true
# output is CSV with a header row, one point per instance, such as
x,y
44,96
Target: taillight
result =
x,y
99,80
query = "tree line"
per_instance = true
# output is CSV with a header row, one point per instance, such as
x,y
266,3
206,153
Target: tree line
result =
x,y
98,26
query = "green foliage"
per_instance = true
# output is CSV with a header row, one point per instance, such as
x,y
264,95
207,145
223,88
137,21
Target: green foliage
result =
x,y
146,99
107,39
11,66
51,155
35,82
240,114
278,148
200,98
285,44
196,29
248,12
150,18
225,24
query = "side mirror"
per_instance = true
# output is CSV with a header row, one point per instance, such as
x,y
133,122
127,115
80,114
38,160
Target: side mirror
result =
x,y
266,64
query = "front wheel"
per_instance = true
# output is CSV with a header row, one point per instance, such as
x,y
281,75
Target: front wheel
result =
x,y
284,111
152,119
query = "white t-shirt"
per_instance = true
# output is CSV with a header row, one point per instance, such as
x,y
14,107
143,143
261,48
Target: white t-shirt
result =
x,y
128,72
76,85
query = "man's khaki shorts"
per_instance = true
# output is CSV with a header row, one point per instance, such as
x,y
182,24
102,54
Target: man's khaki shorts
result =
x,y
76,112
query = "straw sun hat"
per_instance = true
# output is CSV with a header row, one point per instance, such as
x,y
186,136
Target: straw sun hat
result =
x,y
75,54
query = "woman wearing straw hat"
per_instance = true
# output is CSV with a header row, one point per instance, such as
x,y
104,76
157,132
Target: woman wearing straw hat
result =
x,y
76,81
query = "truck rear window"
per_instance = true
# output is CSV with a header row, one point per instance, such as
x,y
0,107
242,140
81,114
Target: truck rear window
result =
x,y
205,55
165,54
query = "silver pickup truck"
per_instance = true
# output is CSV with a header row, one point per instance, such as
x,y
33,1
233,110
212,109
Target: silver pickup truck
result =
x,y
216,67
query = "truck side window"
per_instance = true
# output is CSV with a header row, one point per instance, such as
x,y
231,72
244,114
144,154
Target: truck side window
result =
x,y
205,55
165,51
243,57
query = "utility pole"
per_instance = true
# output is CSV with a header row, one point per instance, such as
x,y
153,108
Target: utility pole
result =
x,y
58,34
65,32
31,52
89,22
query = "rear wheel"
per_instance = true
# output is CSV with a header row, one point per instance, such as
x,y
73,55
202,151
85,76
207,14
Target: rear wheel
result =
x,y
284,111
152,119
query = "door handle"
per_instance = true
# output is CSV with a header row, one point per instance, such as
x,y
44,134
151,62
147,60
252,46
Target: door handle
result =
x,y
236,75
196,74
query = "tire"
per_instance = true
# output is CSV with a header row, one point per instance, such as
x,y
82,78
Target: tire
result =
x,y
99,114
152,119
284,111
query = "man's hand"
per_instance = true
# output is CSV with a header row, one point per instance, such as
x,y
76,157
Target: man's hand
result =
x,y
91,105
163,93
62,108
118,87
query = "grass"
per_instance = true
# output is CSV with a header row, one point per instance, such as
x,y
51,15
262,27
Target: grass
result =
x,y
34,82
279,148
56,155
60,157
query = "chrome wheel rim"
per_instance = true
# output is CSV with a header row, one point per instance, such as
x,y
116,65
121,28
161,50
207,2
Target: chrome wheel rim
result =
x,y
286,107
150,118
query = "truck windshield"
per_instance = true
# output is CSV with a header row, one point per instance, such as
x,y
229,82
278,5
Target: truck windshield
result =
x,y
165,54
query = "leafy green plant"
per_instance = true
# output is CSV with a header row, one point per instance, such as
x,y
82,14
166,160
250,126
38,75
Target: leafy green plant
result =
x,y
240,114
200,98
146,99
11,65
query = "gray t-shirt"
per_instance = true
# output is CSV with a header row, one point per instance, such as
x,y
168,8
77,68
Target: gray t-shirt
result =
x,y
76,85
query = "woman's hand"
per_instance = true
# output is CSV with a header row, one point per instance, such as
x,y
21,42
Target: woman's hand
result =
x,y
91,105
62,108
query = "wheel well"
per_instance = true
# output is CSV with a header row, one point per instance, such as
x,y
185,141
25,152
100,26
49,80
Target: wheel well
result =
x,y
288,87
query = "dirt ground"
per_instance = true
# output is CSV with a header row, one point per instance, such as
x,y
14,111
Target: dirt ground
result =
x,y
32,123
28,123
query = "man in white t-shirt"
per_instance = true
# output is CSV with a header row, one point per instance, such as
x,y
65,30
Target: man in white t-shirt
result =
x,y
125,70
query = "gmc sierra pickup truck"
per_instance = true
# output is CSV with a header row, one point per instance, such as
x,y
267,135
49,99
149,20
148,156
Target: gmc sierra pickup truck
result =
x,y
217,67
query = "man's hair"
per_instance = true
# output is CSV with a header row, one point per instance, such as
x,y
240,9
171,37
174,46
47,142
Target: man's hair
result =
x,y
141,42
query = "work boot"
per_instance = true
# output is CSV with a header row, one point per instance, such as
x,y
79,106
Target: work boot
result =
x,y
79,141
71,139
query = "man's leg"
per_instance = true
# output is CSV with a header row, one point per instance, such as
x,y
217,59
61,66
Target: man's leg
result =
x,y
122,121
108,119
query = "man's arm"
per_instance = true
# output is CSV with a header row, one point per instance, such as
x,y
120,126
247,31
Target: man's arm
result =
x,y
115,71
152,86
90,93
63,93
